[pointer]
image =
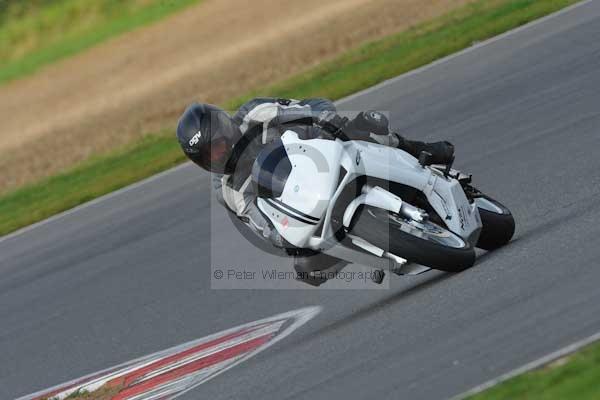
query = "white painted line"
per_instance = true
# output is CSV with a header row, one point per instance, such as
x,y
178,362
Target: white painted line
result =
x,y
280,326
340,101
268,329
530,366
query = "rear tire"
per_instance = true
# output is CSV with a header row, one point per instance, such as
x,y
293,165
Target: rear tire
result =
x,y
498,224
383,230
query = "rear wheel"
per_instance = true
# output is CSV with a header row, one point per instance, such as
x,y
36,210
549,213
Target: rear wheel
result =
x,y
498,223
424,243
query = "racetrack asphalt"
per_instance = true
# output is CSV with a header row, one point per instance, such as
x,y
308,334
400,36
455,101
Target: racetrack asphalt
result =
x,y
130,275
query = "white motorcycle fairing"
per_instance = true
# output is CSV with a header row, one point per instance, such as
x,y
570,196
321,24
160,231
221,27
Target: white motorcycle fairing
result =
x,y
320,169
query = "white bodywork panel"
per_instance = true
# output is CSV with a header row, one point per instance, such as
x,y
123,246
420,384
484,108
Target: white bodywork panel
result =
x,y
309,187
314,185
376,197
445,195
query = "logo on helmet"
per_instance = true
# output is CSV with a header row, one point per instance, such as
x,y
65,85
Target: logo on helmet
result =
x,y
195,139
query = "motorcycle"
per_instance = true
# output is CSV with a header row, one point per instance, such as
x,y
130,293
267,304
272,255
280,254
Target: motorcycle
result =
x,y
374,205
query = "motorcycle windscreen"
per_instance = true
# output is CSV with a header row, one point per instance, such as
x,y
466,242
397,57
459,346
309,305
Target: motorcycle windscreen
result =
x,y
271,170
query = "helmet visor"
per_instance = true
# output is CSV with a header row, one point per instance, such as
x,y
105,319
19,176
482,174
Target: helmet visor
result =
x,y
224,136
218,150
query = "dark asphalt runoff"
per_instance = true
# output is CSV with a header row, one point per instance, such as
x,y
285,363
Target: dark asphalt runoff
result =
x,y
131,274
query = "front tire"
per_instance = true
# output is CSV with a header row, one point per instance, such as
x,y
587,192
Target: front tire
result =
x,y
423,243
498,223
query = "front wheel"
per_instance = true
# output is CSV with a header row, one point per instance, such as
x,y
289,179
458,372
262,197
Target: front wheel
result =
x,y
424,243
498,223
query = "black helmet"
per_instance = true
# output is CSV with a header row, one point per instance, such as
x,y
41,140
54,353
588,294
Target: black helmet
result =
x,y
207,135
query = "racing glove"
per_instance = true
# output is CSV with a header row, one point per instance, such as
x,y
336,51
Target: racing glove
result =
x,y
369,122
331,122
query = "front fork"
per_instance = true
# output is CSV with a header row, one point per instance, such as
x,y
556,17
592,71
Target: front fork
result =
x,y
378,197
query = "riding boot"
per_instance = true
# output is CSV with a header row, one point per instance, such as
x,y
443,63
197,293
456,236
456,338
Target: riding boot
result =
x,y
311,266
441,152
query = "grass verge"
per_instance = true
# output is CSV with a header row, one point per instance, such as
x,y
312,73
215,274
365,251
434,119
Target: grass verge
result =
x,y
353,71
97,176
573,377
421,45
35,33
106,392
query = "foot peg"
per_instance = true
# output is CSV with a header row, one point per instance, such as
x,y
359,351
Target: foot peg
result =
x,y
411,269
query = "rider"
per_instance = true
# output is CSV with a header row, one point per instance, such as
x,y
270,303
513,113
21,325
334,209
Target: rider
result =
x,y
227,147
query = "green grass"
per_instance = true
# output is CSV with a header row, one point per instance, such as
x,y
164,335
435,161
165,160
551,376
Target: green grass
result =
x,y
357,69
92,179
105,392
400,53
578,378
34,33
